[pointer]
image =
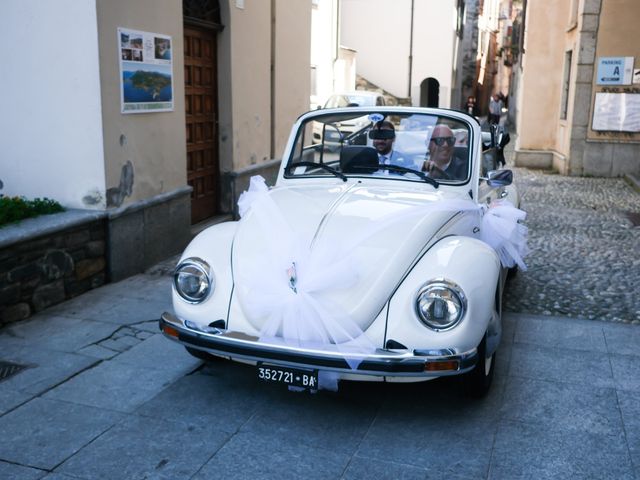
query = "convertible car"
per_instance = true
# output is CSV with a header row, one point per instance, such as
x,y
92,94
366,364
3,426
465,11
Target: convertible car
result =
x,y
350,268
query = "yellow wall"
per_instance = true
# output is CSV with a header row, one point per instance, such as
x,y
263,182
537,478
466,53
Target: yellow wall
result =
x,y
247,47
541,87
293,50
154,143
249,31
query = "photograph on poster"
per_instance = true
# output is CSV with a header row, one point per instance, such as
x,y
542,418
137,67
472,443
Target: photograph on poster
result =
x,y
146,72
162,48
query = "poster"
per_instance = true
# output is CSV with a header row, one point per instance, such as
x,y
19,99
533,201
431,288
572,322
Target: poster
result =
x,y
146,71
617,112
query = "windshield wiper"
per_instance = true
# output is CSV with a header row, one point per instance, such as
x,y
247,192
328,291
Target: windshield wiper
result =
x,y
422,175
319,165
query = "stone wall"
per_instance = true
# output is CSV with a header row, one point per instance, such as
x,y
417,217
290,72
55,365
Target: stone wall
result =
x,y
40,267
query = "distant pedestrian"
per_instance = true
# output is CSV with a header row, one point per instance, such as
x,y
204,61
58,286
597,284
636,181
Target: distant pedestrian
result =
x,y
495,109
470,106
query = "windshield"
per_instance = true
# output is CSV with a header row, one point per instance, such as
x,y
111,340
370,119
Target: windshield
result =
x,y
399,146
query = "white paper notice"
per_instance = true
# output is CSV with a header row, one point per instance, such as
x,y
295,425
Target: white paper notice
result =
x,y
617,112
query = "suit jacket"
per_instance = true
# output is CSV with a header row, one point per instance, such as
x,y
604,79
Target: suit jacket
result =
x,y
400,159
457,168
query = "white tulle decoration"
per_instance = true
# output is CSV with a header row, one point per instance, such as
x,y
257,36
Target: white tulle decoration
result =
x,y
502,230
291,285
257,187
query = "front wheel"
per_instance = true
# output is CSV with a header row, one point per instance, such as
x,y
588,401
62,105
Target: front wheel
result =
x,y
477,382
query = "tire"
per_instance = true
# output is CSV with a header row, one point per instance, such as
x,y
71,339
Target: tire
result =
x,y
477,382
207,357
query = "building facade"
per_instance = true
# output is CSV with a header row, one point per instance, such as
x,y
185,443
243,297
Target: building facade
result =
x,y
211,107
409,48
579,91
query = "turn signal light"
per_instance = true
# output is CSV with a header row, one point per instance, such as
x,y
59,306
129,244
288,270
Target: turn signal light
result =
x,y
442,365
172,332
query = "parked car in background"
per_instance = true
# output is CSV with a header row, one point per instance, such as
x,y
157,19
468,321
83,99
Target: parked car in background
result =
x,y
348,269
330,134
358,98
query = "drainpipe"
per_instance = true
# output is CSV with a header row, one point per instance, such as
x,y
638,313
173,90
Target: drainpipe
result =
x,y
272,150
337,52
410,51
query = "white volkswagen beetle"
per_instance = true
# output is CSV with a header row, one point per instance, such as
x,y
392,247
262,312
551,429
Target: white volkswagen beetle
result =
x,y
379,255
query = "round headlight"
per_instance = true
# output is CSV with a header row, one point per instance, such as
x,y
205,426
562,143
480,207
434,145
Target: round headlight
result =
x,y
440,305
193,280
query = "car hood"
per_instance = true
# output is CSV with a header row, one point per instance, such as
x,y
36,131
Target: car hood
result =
x,y
342,248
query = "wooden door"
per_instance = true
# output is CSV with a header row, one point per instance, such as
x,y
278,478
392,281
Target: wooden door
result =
x,y
201,105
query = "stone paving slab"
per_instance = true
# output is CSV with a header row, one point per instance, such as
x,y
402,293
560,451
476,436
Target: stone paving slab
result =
x,y
560,365
47,368
360,468
558,334
562,406
531,451
141,447
630,408
253,456
118,386
45,432
434,438
317,422
626,372
58,333
224,402
9,399
9,471
158,352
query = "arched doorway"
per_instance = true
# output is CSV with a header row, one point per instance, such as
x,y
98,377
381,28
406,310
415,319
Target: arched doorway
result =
x,y
429,92
201,26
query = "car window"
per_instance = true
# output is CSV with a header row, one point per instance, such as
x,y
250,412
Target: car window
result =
x,y
342,142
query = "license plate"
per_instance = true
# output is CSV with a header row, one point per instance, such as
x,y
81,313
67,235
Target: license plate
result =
x,y
288,376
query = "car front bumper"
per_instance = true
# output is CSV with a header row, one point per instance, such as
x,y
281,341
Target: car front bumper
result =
x,y
416,364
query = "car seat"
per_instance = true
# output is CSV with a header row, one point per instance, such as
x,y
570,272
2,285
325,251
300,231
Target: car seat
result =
x,y
358,159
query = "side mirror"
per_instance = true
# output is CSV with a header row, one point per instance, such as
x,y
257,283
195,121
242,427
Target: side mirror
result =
x,y
499,178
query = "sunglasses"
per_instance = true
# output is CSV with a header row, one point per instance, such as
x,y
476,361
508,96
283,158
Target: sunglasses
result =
x,y
382,134
440,141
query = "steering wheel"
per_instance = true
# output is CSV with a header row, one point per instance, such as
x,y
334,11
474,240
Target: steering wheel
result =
x,y
440,172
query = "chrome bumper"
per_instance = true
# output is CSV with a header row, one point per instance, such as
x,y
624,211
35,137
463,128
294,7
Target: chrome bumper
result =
x,y
388,363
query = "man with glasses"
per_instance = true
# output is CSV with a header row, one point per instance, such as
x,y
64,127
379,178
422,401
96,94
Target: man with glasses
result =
x,y
383,135
441,162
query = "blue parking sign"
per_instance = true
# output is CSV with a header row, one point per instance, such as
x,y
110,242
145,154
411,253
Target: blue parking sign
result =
x,y
615,70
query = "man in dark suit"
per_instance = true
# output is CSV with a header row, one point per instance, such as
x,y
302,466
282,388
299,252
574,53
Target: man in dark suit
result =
x,y
442,163
383,135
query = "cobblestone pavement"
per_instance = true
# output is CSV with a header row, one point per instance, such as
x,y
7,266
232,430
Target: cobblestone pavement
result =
x,y
584,260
